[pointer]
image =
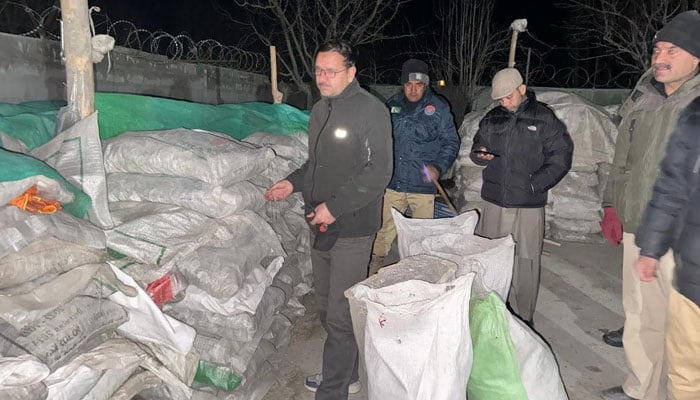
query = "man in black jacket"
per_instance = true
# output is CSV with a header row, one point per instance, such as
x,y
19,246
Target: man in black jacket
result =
x,y
526,150
672,220
342,182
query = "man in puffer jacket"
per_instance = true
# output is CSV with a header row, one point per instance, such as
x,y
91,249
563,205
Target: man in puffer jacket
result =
x,y
425,146
672,219
649,116
526,150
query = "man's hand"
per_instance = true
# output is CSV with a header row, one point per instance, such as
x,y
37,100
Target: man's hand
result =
x,y
430,173
485,155
320,215
611,225
279,191
646,268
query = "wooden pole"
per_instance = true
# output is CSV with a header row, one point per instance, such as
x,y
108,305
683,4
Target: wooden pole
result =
x,y
527,66
276,94
77,47
511,54
444,196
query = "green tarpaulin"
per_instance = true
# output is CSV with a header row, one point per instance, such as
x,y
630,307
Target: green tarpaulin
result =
x,y
34,122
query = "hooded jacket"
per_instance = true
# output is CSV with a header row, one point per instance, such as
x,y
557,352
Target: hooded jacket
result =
x,y
350,160
423,135
672,218
648,118
534,152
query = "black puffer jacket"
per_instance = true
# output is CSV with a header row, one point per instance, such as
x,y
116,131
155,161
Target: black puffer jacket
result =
x,y
672,217
534,153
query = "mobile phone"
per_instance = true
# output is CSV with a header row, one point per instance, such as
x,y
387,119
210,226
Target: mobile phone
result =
x,y
485,152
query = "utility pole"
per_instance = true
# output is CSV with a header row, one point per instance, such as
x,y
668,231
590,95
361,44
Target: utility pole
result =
x,y
77,46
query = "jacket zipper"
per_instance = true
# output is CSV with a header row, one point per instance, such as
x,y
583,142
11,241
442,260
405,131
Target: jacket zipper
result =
x,y
318,139
505,159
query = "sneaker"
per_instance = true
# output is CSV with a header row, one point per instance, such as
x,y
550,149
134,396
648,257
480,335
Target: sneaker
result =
x,y
614,338
312,382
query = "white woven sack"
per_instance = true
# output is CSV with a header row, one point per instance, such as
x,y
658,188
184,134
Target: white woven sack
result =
x,y
539,371
417,340
207,156
491,259
411,229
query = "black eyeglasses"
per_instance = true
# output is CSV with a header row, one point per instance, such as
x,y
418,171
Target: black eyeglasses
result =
x,y
328,73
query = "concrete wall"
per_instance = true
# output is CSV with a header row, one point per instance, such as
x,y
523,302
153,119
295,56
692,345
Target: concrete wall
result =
x,y
31,69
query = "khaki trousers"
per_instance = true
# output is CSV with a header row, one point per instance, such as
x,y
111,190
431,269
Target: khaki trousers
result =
x,y
422,206
645,305
683,347
527,227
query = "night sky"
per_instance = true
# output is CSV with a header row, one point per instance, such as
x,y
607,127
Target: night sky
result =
x,y
201,21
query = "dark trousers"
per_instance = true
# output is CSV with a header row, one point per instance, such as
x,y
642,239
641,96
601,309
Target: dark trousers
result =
x,y
335,271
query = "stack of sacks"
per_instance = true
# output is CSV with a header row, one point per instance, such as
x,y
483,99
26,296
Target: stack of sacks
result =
x,y
191,224
510,361
63,304
59,300
574,207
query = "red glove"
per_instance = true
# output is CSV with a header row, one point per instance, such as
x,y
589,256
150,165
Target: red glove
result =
x,y
612,227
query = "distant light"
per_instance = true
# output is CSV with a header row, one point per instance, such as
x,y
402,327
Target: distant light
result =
x,y
441,83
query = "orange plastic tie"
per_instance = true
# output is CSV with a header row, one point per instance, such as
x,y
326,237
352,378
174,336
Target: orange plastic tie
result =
x,y
32,202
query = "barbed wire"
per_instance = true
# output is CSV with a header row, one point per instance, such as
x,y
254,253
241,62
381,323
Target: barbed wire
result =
x,y
178,47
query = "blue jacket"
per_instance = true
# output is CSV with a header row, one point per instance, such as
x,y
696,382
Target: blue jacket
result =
x,y
424,135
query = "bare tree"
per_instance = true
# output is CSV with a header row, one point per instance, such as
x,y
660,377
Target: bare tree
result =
x,y
298,27
468,43
620,32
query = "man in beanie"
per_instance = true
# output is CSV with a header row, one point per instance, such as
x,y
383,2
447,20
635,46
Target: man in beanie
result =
x,y
648,118
526,150
425,146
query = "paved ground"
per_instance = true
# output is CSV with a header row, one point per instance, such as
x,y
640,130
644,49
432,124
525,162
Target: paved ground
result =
x,y
579,301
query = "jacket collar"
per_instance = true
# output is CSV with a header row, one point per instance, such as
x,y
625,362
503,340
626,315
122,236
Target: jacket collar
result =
x,y
529,100
349,91
647,83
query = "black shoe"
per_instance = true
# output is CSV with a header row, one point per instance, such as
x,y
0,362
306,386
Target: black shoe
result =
x,y
615,393
614,338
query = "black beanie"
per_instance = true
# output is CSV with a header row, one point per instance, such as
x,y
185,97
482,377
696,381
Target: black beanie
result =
x,y
683,31
414,70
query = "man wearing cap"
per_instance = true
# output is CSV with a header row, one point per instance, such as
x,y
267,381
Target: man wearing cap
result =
x,y
649,116
526,150
425,146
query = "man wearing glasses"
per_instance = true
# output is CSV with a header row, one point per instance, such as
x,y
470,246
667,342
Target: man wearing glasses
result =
x,y
342,182
425,146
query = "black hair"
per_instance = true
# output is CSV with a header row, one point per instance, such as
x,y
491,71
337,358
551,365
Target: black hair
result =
x,y
341,47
